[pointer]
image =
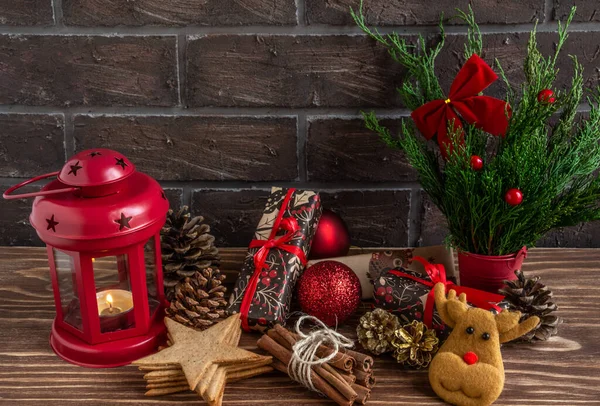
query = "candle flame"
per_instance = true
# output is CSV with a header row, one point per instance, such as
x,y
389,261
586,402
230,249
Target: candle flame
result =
x,y
109,299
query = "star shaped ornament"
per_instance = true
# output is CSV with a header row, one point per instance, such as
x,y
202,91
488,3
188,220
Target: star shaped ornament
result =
x,y
204,360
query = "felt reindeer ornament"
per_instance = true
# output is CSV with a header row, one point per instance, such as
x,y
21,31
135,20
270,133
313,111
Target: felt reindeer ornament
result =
x,y
468,368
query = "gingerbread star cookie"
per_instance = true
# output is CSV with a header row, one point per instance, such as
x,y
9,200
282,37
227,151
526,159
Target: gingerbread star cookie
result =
x,y
202,361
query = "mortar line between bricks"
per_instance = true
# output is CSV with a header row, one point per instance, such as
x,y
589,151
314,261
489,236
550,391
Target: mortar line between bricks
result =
x,y
548,9
69,132
192,111
200,31
414,218
316,113
57,13
302,138
178,60
301,12
186,196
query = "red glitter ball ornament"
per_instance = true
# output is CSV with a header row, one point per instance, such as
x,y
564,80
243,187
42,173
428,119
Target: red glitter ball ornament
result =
x,y
331,238
476,163
514,197
329,291
546,96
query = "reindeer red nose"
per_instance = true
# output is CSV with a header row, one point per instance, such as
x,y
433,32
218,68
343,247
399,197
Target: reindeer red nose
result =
x,y
470,358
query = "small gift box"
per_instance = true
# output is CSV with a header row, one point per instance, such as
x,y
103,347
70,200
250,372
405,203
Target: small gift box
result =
x,y
409,292
276,258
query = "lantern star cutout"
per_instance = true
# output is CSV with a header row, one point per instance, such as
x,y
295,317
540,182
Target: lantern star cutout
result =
x,y
121,162
52,224
94,154
205,356
75,168
123,222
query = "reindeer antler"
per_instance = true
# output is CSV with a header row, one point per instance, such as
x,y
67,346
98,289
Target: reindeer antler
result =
x,y
509,327
450,309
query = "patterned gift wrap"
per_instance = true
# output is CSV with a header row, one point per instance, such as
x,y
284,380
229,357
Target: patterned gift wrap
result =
x,y
402,292
281,245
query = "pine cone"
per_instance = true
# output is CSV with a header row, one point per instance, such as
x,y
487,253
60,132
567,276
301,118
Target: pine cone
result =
x,y
199,300
415,344
186,247
532,298
376,330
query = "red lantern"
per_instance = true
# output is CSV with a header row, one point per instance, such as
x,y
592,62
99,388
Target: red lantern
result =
x,y
101,221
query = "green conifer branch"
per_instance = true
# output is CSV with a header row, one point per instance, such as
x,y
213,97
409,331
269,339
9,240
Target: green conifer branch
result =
x,y
555,166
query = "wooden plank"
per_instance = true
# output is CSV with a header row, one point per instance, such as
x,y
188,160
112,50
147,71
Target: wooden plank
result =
x,y
565,370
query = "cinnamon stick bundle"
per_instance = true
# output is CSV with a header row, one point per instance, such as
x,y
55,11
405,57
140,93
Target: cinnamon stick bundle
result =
x,y
342,376
284,356
342,361
285,338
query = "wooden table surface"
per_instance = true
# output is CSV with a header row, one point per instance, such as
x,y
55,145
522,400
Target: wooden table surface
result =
x,y
563,371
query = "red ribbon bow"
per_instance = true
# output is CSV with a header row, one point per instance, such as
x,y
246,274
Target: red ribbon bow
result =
x,y
437,273
484,112
291,228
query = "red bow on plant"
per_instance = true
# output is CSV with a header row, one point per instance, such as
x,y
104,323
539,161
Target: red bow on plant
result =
x,y
484,112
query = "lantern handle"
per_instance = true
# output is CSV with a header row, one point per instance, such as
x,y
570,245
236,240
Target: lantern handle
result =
x,y
7,195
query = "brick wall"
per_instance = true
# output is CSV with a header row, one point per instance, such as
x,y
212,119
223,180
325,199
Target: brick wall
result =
x,y
220,99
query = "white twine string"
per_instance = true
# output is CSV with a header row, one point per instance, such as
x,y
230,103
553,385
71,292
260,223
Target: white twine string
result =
x,y
305,349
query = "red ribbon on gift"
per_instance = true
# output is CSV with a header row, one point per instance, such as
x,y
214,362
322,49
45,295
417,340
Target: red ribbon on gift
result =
x,y
437,273
291,228
484,112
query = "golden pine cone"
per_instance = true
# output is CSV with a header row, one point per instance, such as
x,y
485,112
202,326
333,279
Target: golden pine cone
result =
x,y
376,330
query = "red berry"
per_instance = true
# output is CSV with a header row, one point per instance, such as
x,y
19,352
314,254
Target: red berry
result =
x,y
476,163
380,291
389,298
546,96
418,315
264,274
266,281
389,289
514,197
272,274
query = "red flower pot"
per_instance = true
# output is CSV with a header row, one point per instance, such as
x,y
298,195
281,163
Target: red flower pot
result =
x,y
487,272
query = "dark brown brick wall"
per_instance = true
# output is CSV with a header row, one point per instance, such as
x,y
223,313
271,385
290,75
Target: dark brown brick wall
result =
x,y
221,99
197,147
26,12
178,12
49,70
417,12
289,71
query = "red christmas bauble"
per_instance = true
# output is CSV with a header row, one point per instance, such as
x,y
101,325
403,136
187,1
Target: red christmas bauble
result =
x,y
476,163
514,197
331,238
546,96
329,291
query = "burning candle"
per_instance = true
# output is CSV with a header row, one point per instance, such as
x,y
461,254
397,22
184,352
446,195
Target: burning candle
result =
x,y
110,310
113,308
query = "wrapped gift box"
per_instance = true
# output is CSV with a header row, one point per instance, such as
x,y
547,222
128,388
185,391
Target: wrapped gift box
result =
x,y
276,258
396,258
405,289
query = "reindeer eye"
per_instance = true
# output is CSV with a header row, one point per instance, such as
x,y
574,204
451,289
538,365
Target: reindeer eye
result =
x,y
470,330
485,336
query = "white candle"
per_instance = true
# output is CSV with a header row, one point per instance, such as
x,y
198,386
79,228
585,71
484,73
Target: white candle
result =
x,y
113,302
